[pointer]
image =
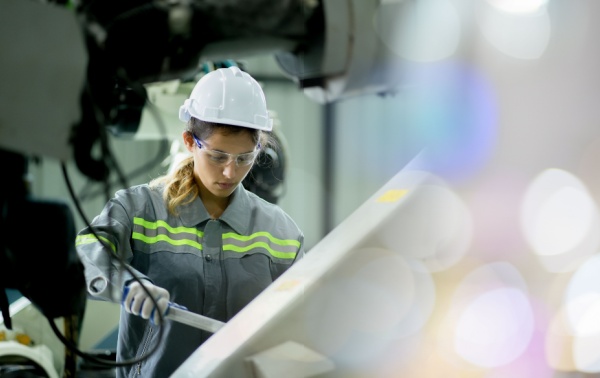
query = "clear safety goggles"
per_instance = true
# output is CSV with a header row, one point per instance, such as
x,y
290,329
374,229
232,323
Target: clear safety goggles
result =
x,y
222,159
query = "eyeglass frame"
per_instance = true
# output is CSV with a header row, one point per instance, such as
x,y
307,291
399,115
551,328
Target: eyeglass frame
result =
x,y
230,157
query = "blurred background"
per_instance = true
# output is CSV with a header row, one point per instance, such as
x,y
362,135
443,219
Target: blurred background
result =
x,y
499,97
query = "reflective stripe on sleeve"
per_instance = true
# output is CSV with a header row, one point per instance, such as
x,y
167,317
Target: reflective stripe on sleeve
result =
x,y
91,238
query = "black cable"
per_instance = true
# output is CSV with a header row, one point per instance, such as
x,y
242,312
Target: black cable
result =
x,y
158,159
101,361
124,266
111,162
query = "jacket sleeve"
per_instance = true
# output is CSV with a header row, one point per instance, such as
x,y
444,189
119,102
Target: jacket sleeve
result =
x,y
301,252
277,269
105,250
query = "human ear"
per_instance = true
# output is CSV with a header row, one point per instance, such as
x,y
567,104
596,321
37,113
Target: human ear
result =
x,y
188,141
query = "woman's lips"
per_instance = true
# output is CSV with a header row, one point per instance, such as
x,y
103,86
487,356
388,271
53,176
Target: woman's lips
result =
x,y
225,185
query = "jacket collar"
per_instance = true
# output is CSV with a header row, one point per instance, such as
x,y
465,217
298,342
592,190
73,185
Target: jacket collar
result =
x,y
237,215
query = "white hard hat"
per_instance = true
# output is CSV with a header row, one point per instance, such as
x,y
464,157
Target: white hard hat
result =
x,y
229,96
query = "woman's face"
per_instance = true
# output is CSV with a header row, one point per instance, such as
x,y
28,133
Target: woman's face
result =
x,y
218,175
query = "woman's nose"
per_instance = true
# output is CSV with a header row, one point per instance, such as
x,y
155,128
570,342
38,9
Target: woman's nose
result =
x,y
229,169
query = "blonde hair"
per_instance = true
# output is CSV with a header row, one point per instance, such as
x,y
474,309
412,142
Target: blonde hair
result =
x,y
180,186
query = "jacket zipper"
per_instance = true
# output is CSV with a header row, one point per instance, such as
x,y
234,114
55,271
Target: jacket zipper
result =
x,y
225,281
139,365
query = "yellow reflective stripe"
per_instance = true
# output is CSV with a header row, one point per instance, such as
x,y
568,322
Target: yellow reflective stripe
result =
x,y
165,233
281,255
91,238
232,235
159,223
166,239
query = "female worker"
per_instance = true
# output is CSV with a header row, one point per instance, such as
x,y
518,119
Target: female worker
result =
x,y
195,236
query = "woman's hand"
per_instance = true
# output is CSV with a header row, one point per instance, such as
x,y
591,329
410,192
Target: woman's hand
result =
x,y
138,302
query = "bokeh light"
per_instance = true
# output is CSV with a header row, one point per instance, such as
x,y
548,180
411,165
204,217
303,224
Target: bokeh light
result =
x,y
567,214
491,316
582,293
379,298
421,309
451,109
532,362
582,303
586,347
420,31
519,29
518,6
495,328
435,227
559,220
559,343
447,112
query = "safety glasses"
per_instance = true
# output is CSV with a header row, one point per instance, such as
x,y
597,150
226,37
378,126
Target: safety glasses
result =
x,y
222,159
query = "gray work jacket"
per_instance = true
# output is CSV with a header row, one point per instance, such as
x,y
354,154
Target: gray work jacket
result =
x,y
212,267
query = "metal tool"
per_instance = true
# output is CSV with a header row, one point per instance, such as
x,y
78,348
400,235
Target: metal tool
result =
x,y
181,314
